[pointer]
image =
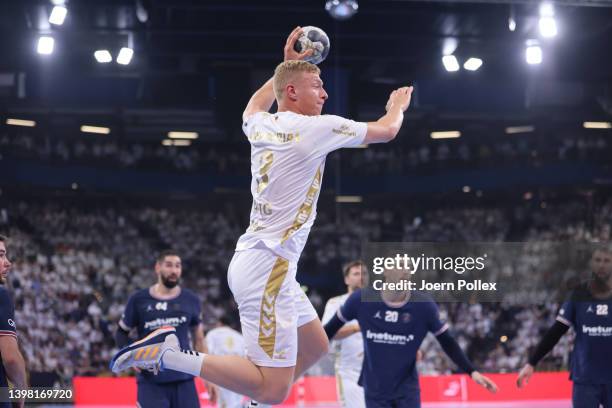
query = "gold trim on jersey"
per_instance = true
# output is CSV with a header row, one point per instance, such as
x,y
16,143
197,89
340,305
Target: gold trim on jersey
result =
x,y
267,313
274,137
305,209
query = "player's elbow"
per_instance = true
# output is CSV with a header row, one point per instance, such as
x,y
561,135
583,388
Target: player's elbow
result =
x,y
392,132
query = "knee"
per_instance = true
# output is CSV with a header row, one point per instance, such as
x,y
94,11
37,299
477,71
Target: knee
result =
x,y
273,394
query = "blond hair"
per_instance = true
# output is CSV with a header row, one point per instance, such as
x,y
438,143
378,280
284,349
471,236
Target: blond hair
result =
x,y
286,71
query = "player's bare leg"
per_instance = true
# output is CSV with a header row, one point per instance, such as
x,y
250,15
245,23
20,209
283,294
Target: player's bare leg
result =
x,y
312,346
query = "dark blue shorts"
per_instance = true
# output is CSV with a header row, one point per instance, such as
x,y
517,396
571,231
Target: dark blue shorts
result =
x,y
592,395
411,400
180,394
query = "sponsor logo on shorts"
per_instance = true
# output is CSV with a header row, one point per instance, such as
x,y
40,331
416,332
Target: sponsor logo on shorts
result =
x,y
11,322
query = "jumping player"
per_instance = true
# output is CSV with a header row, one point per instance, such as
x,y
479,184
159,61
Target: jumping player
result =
x,y
12,367
282,332
347,343
393,327
165,304
589,312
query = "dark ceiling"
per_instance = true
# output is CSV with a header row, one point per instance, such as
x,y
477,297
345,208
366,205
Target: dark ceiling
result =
x,y
202,55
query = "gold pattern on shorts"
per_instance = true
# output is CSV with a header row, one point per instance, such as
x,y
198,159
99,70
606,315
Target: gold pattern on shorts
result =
x,y
267,313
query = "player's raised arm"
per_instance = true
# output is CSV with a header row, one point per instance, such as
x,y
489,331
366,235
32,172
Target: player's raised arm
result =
x,y
388,126
263,98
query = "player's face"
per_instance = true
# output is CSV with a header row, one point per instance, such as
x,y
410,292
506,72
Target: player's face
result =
x,y
601,265
169,271
310,94
5,264
353,278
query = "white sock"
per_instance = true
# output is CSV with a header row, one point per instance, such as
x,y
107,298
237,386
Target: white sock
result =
x,y
185,361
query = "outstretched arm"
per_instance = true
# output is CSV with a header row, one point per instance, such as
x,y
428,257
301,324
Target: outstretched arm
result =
x,y
548,342
263,98
452,349
388,126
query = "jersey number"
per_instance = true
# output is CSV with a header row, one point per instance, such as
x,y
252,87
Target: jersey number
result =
x,y
391,316
602,310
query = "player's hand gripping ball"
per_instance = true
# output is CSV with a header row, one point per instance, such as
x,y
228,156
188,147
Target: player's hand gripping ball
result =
x,y
316,40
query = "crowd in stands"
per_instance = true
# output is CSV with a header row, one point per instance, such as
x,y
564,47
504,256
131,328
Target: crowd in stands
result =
x,y
234,158
75,264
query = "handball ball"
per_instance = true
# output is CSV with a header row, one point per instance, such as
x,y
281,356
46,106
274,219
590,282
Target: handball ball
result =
x,y
313,38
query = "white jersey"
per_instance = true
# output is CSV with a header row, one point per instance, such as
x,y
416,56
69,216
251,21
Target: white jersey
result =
x,y
223,341
288,152
348,351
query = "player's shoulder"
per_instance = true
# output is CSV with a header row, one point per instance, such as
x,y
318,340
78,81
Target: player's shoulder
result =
x,y
256,117
189,294
580,293
140,294
5,296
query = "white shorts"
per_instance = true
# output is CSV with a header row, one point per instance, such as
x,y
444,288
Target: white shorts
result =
x,y
271,304
350,394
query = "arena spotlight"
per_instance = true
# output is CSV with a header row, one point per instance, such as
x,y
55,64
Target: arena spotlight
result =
x,y
548,27
450,63
348,199
176,142
103,56
511,130
342,9
58,15
445,134
183,135
547,23
95,129
45,45
20,122
533,54
547,9
472,64
597,125
125,56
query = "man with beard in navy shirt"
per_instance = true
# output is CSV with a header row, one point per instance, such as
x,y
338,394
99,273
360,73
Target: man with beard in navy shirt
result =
x,y
589,312
166,304
393,326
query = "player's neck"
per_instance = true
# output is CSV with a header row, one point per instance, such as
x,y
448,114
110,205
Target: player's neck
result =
x,y
395,298
600,290
161,291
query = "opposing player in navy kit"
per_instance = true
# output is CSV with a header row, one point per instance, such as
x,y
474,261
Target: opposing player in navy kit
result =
x,y
589,312
393,326
165,304
12,367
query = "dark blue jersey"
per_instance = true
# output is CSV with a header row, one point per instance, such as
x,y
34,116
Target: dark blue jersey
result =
x,y
591,361
391,339
7,326
147,313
